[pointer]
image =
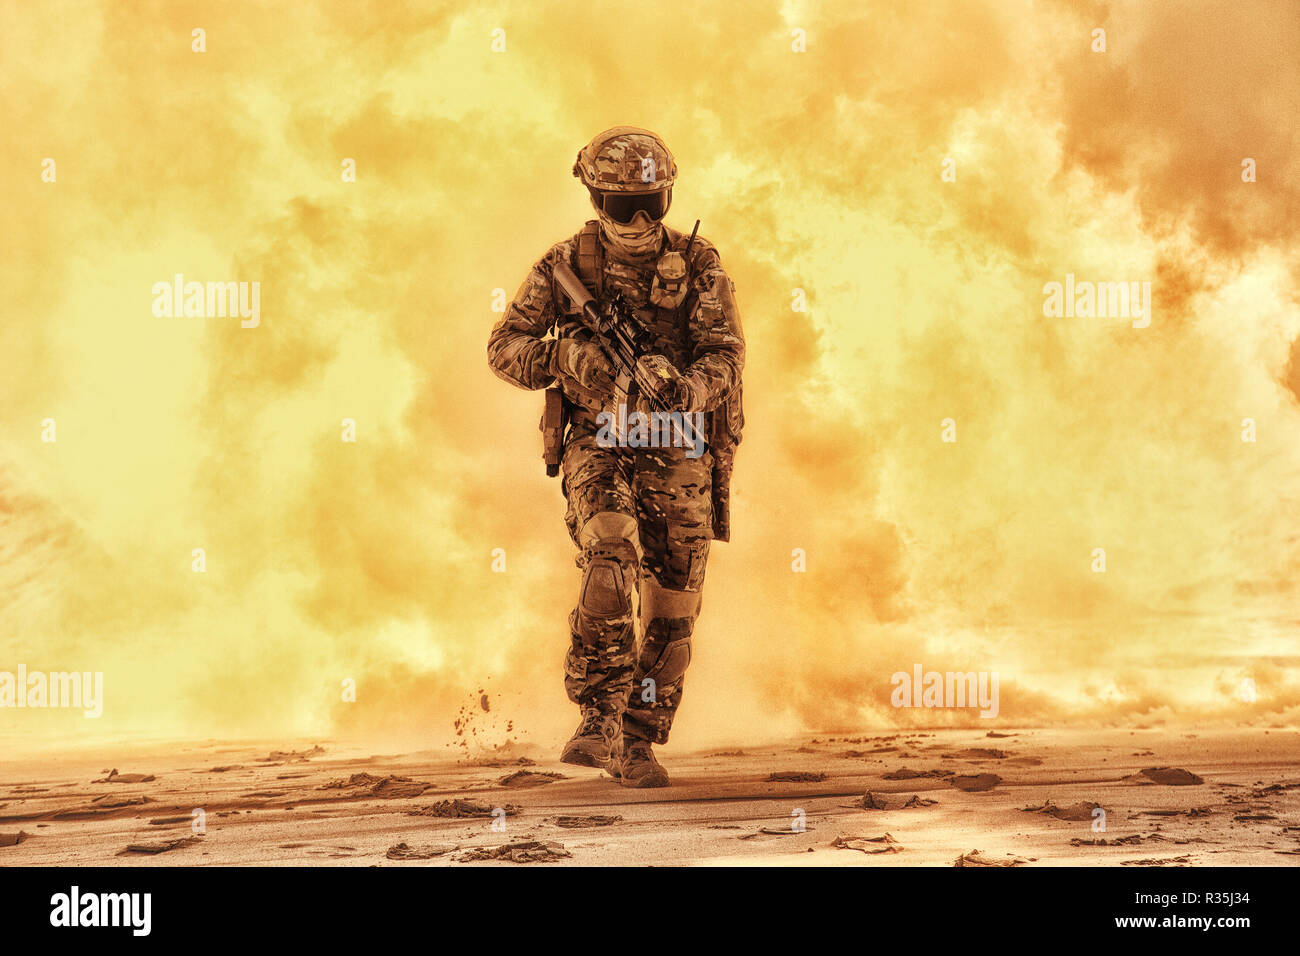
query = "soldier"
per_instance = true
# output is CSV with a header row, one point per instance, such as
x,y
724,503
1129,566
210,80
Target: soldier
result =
x,y
642,517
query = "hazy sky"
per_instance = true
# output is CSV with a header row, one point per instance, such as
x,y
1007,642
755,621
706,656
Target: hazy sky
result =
x,y
818,170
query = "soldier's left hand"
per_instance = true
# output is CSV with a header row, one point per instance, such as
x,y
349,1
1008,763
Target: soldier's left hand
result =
x,y
676,392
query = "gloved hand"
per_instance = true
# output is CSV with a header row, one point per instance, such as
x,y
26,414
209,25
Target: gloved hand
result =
x,y
584,361
676,392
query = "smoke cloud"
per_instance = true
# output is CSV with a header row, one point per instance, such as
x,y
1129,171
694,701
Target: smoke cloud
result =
x,y
371,561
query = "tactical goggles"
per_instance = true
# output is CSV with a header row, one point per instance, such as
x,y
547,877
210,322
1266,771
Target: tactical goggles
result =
x,y
621,207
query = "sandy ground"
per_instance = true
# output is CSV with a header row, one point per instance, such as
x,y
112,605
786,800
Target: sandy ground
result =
x,y
1237,802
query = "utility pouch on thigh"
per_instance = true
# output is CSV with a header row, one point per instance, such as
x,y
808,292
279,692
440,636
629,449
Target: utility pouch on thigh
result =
x,y
726,424
554,418
686,558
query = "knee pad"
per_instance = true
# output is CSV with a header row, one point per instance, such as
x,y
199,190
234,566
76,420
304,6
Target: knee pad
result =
x,y
669,667
610,562
607,585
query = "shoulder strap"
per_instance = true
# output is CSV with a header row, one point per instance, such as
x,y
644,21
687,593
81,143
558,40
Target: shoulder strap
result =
x,y
590,258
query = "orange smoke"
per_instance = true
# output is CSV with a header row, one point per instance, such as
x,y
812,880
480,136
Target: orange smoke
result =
x,y
370,562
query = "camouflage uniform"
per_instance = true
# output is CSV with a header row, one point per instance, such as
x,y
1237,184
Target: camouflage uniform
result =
x,y
642,518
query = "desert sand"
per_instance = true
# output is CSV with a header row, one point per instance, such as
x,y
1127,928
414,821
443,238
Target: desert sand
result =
x,y
1025,797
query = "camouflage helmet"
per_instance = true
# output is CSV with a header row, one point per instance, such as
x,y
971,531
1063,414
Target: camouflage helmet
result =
x,y
626,159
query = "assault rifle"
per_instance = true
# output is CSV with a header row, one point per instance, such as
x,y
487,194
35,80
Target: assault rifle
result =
x,y
624,340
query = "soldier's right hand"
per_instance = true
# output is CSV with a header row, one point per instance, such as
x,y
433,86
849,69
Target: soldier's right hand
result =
x,y
586,362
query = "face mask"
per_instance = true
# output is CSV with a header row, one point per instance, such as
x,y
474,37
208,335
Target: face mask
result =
x,y
637,239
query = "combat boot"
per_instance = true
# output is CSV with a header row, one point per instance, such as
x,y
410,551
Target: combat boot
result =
x,y
636,765
595,740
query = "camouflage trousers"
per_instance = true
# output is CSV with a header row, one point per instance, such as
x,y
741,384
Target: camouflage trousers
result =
x,y
642,520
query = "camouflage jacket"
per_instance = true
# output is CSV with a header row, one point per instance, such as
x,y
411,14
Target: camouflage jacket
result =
x,y
702,337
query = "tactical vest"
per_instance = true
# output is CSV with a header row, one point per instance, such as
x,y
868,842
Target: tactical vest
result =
x,y
723,425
